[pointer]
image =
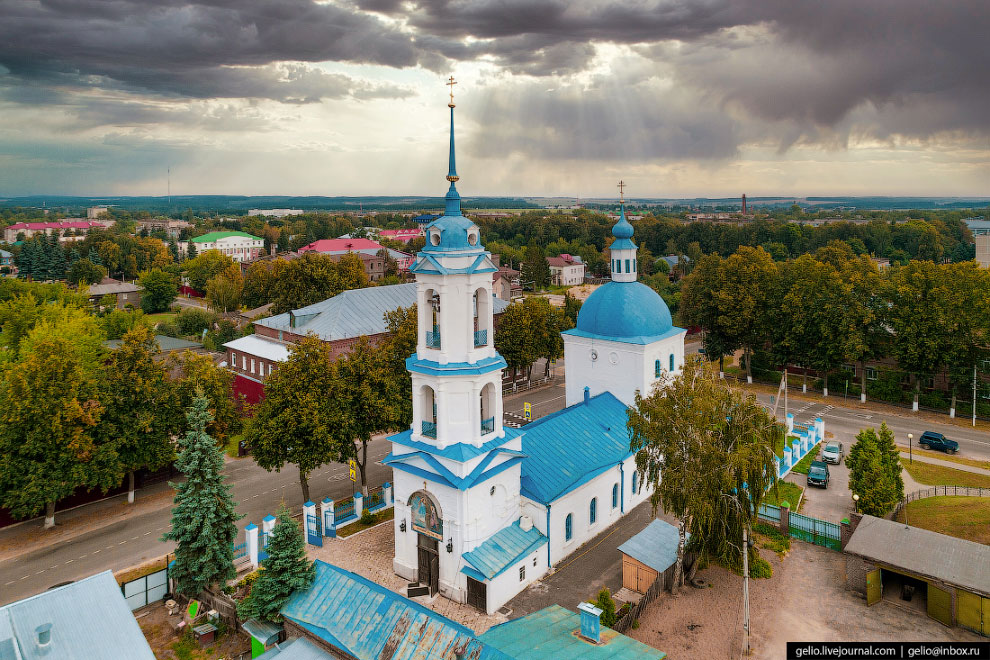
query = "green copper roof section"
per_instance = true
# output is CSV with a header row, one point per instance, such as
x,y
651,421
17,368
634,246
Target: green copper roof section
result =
x,y
214,236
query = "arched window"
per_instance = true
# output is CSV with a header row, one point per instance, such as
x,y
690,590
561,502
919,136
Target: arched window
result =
x,y
593,511
656,369
634,265
487,409
567,527
671,361
615,496
635,478
627,266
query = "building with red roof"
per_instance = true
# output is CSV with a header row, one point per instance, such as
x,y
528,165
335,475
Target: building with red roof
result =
x,y
59,227
341,246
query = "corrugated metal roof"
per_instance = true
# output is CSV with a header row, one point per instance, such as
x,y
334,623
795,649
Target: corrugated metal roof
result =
x,y
504,549
655,546
89,618
360,617
549,633
295,649
563,450
165,343
119,287
263,631
959,562
353,313
260,347
214,236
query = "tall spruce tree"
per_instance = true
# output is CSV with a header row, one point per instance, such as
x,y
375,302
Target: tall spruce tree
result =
x,y
875,471
203,516
286,570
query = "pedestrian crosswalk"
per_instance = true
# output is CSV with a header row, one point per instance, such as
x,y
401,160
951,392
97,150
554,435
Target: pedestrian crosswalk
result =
x,y
513,420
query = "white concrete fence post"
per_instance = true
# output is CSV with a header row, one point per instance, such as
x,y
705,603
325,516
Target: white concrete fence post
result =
x,y
267,525
309,509
251,538
327,521
358,504
387,494
790,422
820,428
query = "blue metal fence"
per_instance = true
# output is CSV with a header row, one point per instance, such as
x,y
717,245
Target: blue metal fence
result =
x,y
343,510
480,338
433,339
769,513
314,535
488,425
814,530
375,499
429,429
240,550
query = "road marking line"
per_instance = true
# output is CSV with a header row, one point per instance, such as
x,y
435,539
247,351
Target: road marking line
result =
x,y
25,577
135,538
122,543
95,551
146,533
85,555
70,561
9,583
40,572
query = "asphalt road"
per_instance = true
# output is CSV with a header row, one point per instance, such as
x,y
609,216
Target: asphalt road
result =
x,y
135,540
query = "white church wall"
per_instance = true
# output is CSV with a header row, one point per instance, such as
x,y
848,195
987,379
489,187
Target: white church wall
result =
x,y
456,316
577,503
506,586
662,350
618,368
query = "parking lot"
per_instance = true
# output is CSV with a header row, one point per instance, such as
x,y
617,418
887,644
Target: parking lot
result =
x,y
833,503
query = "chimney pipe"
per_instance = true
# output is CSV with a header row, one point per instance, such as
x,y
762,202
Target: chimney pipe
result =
x,y
590,622
44,632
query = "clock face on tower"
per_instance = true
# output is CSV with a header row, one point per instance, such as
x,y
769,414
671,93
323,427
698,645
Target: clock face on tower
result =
x,y
594,355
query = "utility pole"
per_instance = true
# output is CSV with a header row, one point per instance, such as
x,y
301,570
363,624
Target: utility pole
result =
x,y
745,551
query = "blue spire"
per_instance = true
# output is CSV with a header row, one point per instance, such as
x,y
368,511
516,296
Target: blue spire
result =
x,y
452,199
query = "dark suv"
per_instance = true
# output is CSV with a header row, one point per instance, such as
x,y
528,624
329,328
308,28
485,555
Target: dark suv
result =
x,y
818,474
933,440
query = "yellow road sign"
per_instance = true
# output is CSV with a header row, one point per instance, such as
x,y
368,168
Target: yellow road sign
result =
x,y
528,410
353,474
352,464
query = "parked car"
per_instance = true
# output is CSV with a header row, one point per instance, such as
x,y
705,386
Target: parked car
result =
x,y
832,453
818,474
933,440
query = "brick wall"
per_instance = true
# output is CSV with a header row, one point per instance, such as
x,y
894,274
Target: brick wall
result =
x,y
293,630
856,570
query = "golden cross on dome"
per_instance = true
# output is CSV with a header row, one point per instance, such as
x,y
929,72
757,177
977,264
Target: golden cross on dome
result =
x,y
621,187
450,83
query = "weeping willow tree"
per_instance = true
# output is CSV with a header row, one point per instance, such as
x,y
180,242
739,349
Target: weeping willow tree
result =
x,y
708,453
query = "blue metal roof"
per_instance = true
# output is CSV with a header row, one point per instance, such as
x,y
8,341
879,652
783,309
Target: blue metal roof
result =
x,y
622,244
571,446
439,472
622,228
624,311
360,617
461,451
505,548
299,648
550,633
434,368
655,546
89,621
353,313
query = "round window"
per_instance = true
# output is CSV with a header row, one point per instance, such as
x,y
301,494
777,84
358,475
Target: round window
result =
x,y
435,238
613,357
594,355
473,238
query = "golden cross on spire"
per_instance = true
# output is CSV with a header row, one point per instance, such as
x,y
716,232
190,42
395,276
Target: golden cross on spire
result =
x,y
621,187
450,83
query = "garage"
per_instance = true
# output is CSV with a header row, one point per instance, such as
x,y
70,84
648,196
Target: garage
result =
x,y
945,577
648,554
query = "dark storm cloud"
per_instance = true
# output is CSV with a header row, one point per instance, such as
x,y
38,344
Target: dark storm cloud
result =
x,y
191,48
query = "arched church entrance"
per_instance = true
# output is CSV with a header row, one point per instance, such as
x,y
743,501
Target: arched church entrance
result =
x,y
427,521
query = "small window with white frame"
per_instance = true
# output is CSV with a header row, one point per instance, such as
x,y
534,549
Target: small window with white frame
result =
x,y
522,573
871,373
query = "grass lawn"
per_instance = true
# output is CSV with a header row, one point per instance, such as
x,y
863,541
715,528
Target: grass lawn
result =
x,y
380,517
785,491
936,475
962,517
942,456
805,463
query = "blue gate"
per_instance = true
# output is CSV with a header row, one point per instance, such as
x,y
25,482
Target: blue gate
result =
x,y
262,544
314,535
328,526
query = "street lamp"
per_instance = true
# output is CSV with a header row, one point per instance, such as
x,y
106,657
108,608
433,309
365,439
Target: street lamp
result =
x,y
856,502
910,449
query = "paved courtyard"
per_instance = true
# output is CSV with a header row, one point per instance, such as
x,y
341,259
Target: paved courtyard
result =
x,y
369,554
805,600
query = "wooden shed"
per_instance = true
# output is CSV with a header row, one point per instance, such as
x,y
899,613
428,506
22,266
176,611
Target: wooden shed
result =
x,y
647,555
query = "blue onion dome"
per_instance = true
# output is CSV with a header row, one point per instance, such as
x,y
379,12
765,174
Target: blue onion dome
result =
x,y
624,310
452,234
622,228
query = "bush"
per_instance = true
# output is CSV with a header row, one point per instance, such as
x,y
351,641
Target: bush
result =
x,y
635,624
758,566
367,517
167,328
192,321
607,606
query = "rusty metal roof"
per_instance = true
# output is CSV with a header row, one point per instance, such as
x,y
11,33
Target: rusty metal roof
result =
x,y
955,561
370,622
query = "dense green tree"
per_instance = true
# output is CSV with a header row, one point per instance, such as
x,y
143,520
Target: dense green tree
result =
x,y
875,471
204,513
202,268
302,419
193,320
48,415
514,341
968,315
546,322
141,410
199,374
535,268
314,277
749,281
224,290
714,451
701,305
572,306
85,271
286,570
400,344
160,291
119,322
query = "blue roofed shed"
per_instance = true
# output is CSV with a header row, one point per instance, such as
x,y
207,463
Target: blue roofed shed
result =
x,y
648,554
344,612
551,633
85,620
502,550
573,446
295,649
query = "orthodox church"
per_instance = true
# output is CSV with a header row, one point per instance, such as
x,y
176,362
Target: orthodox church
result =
x,y
483,510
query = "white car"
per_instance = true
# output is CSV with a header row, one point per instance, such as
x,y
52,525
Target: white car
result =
x,y
832,453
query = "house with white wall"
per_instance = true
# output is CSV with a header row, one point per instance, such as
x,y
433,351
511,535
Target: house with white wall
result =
x,y
238,245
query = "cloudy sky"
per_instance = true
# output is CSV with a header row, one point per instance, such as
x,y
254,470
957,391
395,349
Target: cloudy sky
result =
x,y
555,97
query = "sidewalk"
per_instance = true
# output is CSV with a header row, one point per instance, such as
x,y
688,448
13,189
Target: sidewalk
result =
x,y
962,467
25,537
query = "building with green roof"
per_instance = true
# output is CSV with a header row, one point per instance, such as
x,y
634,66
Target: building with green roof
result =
x,y
238,245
